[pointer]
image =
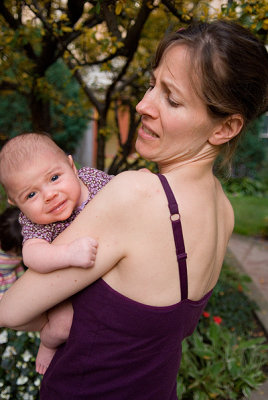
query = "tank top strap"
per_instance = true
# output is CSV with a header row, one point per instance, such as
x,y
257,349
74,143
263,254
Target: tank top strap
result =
x,y
178,236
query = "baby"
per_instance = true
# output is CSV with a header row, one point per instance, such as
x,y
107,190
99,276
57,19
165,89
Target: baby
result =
x,y
42,181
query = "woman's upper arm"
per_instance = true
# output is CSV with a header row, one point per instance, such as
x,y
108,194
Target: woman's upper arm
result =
x,y
103,219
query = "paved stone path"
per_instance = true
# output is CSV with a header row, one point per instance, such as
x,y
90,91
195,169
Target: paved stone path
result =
x,y
250,256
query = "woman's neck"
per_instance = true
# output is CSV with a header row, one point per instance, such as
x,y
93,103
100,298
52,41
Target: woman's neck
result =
x,y
201,162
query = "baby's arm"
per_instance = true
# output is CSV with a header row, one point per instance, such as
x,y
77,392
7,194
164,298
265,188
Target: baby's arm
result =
x,y
43,257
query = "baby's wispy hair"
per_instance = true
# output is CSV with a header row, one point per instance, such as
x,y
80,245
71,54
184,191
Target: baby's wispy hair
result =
x,y
24,148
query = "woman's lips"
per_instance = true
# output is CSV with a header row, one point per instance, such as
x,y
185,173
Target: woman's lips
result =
x,y
147,133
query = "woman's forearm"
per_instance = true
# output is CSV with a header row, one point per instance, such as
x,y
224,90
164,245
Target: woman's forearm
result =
x,y
34,293
35,325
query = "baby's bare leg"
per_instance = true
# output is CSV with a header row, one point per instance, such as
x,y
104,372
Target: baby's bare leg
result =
x,y
55,332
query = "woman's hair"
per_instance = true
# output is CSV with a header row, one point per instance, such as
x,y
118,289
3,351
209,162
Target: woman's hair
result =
x,y
230,71
10,230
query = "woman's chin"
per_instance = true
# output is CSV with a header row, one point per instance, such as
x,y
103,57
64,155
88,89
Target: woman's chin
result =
x,y
144,150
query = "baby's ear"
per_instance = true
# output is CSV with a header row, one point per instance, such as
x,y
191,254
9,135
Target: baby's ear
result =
x,y
229,128
11,202
71,161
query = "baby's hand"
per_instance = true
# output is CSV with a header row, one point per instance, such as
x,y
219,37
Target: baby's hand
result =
x,y
82,252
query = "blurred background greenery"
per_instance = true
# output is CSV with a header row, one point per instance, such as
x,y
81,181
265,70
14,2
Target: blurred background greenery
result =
x,y
67,64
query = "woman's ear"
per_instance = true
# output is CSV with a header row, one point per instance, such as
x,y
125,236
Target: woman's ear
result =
x,y
229,128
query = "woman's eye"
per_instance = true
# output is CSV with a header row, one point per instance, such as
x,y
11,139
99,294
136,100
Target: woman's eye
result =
x,y
173,103
54,178
31,195
150,85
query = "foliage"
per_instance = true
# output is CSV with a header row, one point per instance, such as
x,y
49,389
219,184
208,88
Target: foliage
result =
x,y
66,127
245,187
230,301
217,364
14,115
223,359
250,215
18,379
108,47
69,108
251,152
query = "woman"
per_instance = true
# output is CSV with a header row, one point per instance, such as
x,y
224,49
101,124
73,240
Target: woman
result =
x,y
143,296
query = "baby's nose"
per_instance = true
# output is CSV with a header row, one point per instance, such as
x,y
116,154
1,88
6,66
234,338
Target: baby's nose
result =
x,y
49,195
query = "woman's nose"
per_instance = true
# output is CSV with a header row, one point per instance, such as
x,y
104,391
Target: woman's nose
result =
x,y
148,105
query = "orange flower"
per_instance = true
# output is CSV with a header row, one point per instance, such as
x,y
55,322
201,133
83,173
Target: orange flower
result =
x,y
217,320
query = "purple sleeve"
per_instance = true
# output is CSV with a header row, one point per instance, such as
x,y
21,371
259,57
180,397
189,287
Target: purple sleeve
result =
x,y
31,230
94,179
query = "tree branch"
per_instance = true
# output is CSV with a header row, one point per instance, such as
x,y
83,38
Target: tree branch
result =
x,y
108,11
97,104
132,39
75,10
14,24
170,4
6,85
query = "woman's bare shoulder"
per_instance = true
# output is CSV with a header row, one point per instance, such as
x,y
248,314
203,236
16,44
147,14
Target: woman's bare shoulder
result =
x,y
129,185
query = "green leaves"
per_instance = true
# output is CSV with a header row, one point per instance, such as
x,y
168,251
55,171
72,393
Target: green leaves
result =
x,y
217,363
220,362
17,370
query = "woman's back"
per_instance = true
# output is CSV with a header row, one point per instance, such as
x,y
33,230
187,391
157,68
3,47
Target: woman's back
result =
x,y
148,273
126,349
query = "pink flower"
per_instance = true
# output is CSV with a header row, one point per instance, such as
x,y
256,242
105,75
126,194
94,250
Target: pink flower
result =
x,y
217,320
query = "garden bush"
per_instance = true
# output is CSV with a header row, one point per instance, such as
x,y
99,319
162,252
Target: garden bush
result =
x,y
218,364
223,359
18,379
245,186
230,301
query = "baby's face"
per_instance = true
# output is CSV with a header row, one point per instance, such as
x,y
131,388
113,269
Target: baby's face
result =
x,y
46,189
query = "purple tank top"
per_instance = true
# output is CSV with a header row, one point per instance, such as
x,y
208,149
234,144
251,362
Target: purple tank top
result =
x,y
120,349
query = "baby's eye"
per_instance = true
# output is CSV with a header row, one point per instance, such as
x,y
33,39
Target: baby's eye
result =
x,y
31,195
54,178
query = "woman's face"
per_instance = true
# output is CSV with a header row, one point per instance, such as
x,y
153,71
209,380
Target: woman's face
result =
x,y
175,125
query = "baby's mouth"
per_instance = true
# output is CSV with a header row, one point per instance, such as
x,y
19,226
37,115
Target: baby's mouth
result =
x,y
58,207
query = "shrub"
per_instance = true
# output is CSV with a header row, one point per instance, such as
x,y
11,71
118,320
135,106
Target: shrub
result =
x,y
245,187
217,364
222,359
18,379
229,300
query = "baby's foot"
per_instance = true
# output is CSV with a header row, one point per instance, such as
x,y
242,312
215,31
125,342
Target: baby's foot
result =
x,y
43,358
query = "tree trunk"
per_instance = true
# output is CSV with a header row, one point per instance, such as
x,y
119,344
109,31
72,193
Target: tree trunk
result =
x,y
40,112
101,141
